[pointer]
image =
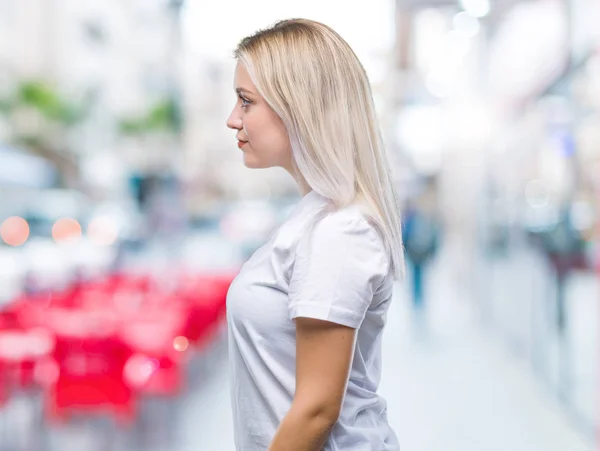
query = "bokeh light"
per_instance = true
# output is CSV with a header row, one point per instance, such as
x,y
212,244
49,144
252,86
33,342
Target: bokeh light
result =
x,y
102,231
180,343
14,231
66,229
476,8
138,369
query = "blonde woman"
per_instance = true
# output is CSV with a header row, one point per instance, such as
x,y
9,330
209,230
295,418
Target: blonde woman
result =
x,y
307,311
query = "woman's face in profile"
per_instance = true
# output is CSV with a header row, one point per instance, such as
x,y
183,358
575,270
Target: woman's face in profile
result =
x,y
261,134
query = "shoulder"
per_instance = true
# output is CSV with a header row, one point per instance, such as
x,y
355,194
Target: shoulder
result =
x,y
339,266
347,236
352,222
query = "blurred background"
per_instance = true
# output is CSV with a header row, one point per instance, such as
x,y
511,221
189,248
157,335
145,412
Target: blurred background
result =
x,y
126,210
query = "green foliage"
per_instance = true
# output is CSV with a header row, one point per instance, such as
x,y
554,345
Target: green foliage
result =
x,y
163,116
42,97
48,102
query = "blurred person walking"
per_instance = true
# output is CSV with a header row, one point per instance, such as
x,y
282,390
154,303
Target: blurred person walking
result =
x,y
421,235
307,311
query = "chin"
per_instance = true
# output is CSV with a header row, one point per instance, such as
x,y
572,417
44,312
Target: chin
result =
x,y
255,164
251,164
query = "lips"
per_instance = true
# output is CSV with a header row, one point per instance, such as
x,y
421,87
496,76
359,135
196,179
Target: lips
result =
x,y
241,143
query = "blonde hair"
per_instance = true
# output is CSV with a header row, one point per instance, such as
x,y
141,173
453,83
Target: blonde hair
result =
x,y
315,83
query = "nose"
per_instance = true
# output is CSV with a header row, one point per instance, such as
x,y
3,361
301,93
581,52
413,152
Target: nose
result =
x,y
234,121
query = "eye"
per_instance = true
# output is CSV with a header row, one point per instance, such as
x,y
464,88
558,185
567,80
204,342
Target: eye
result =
x,y
245,101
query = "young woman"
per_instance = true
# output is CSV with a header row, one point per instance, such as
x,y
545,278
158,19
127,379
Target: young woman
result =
x,y
306,312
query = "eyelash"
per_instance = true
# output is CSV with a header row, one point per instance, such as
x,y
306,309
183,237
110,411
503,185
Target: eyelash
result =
x,y
245,102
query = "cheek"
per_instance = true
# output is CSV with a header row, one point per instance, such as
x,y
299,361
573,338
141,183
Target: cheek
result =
x,y
254,130
279,141
279,136
267,135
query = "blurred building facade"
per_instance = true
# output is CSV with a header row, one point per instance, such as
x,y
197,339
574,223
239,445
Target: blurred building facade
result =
x,y
115,59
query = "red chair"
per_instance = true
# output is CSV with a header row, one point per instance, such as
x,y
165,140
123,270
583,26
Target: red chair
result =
x,y
157,365
20,353
90,361
162,376
91,381
206,297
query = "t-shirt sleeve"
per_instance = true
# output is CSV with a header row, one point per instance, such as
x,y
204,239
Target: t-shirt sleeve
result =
x,y
338,267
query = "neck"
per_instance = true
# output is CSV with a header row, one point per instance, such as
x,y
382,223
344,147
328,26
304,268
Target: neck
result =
x,y
303,186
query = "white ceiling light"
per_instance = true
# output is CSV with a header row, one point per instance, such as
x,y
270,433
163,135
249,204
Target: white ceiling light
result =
x,y
476,8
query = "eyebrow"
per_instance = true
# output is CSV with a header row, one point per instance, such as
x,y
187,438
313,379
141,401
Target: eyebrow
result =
x,y
242,90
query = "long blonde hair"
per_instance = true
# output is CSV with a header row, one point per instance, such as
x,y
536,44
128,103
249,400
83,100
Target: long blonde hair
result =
x,y
315,83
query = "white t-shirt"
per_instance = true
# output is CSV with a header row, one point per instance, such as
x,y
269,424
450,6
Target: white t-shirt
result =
x,y
323,264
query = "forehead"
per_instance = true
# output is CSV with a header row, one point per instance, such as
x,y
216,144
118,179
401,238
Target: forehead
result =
x,y
242,78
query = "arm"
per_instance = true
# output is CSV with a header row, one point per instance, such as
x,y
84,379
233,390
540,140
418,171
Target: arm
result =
x,y
323,357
